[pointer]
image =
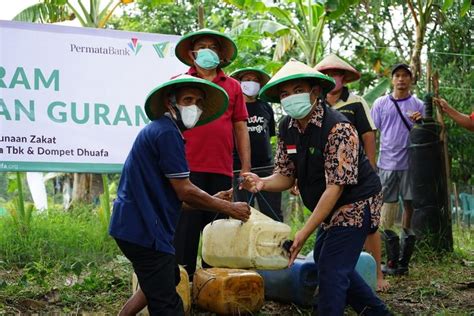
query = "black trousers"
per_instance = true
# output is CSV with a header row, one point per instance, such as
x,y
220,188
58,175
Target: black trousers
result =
x,y
158,275
269,203
191,223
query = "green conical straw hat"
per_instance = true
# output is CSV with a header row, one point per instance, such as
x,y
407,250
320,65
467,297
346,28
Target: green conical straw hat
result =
x,y
228,50
214,104
262,75
294,70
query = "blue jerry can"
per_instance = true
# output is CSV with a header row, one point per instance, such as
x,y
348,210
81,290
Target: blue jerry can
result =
x,y
292,285
297,284
365,266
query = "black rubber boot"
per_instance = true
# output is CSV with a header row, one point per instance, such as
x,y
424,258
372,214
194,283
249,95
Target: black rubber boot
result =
x,y
408,239
392,247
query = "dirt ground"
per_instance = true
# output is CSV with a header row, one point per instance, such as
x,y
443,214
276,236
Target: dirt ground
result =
x,y
431,289
424,291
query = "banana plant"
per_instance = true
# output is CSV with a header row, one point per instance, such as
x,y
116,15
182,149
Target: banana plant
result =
x,y
52,11
380,88
46,11
20,212
293,23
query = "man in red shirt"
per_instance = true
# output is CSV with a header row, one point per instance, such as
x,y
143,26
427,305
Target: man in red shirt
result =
x,y
209,147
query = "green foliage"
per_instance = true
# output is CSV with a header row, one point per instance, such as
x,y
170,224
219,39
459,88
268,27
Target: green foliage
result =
x,y
337,8
297,221
19,211
173,18
253,53
56,236
53,11
293,23
4,193
466,6
21,214
36,273
65,259
47,11
377,91
452,54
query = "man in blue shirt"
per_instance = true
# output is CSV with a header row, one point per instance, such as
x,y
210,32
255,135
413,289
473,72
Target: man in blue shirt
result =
x,y
155,182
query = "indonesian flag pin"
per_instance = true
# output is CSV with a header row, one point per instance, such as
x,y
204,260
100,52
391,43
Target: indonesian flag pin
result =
x,y
291,149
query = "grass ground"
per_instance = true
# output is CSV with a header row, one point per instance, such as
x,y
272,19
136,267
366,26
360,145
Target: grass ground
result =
x,y
66,264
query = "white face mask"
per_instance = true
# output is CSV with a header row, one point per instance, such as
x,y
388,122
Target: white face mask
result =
x,y
189,114
250,88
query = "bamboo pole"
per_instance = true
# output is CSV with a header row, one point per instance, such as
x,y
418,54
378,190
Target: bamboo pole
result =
x,y
444,139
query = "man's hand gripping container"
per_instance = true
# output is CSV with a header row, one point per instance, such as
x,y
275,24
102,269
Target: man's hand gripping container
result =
x,y
256,244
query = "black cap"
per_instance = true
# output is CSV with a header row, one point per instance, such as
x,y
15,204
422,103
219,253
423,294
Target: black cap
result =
x,y
403,66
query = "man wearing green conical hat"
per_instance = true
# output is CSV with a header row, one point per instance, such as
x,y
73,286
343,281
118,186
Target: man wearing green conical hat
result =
x,y
357,111
261,127
209,148
155,182
320,148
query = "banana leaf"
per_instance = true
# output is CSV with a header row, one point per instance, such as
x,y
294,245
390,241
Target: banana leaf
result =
x,y
377,91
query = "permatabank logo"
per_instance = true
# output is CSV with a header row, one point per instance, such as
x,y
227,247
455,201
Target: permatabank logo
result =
x,y
135,46
162,49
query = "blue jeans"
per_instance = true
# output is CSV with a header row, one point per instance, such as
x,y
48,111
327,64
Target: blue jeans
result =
x,y
336,252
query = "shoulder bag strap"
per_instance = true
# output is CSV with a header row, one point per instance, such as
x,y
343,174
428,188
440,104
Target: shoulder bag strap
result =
x,y
404,120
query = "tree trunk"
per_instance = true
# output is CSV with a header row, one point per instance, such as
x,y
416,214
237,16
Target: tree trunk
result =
x,y
87,187
415,63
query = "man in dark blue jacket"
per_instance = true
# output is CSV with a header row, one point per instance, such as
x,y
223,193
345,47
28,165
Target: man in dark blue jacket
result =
x,y
155,182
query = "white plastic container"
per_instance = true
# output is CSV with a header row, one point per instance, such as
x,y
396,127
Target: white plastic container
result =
x,y
257,244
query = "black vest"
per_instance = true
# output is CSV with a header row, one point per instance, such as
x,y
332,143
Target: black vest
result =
x,y
309,162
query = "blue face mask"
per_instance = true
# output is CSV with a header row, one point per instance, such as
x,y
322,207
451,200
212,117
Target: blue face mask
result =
x,y
207,59
297,105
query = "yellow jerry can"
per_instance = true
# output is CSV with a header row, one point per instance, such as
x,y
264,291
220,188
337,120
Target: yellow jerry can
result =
x,y
228,291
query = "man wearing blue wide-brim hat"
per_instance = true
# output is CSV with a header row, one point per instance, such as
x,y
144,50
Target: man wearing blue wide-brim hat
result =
x,y
155,182
320,148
